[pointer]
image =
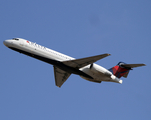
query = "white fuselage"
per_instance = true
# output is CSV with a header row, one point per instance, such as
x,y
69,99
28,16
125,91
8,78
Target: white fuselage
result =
x,y
98,73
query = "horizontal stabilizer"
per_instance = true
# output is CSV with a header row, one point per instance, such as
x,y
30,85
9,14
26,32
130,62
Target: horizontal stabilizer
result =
x,y
79,63
133,65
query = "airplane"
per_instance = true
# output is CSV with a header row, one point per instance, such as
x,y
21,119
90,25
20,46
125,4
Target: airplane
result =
x,y
65,65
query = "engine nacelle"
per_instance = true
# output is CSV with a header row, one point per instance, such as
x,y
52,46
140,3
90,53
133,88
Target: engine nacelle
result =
x,y
98,69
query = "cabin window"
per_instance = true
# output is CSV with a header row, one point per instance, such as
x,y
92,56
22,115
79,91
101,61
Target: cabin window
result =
x,y
15,39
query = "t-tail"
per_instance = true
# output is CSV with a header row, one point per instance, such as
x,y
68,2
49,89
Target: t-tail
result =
x,y
122,69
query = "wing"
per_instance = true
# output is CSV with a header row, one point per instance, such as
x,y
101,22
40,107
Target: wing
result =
x,y
60,76
79,63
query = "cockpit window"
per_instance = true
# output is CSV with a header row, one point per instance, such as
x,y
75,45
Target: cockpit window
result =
x,y
15,39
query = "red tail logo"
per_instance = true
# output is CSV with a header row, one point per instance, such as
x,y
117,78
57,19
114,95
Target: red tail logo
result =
x,y
119,71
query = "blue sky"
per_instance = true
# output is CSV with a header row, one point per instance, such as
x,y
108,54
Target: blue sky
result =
x,y
78,29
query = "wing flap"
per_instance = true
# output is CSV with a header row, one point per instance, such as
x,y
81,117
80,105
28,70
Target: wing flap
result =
x,y
79,63
60,76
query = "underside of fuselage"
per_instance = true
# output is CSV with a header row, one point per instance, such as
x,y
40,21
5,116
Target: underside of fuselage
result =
x,y
55,63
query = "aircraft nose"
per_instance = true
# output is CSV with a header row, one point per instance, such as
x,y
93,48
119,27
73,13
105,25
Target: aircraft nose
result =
x,y
6,42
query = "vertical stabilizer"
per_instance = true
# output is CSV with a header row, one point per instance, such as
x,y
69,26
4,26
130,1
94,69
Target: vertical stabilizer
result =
x,y
122,69
119,70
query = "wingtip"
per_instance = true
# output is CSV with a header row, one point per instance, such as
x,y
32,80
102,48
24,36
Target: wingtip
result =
x,y
108,54
58,86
